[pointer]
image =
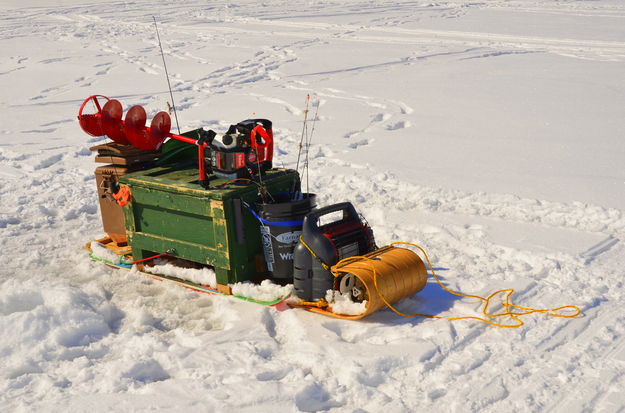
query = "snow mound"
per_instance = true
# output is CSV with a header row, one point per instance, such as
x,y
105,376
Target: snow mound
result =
x,y
343,304
100,251
265,291
203,276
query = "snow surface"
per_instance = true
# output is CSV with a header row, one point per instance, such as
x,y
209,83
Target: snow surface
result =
x,y
491,133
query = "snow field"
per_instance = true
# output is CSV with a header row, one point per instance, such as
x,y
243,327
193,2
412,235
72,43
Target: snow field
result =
x,y
488,133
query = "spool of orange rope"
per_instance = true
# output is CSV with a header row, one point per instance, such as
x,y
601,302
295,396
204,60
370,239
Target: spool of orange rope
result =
x,y
382,277
390,274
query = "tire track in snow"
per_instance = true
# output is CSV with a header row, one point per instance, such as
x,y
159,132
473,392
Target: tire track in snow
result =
x,y
584,9
582,48
603,50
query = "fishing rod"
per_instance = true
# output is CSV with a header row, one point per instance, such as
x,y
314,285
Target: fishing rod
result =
x,y
301,141
167,75
309,140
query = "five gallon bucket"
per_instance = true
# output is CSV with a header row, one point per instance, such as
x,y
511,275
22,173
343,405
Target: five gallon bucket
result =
x,y
281,227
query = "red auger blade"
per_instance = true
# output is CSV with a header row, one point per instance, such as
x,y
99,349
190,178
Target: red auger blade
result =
x,y
135,127
112,124
144,138
159,129
91,123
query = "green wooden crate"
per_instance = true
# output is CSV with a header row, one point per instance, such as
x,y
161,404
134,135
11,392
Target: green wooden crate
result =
x,y
168,209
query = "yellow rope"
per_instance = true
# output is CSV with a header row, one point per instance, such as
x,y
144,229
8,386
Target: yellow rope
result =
x,y
323,264
508,312
319,304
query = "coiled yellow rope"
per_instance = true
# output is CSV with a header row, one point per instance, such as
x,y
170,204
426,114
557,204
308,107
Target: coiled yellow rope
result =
x,y
508,306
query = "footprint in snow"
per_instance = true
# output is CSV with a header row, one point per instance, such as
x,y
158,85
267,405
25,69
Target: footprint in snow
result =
x,y
360,143
314,397
148,70
380,117
272,375
97,139
398,125
49,130
54,60
5,222
48,162
269,324
57,122
20,302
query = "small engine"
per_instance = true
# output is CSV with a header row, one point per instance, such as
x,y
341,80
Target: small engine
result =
x,y
246,149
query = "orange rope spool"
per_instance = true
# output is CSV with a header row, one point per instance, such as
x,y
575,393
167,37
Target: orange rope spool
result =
x,y
369,271
385,276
